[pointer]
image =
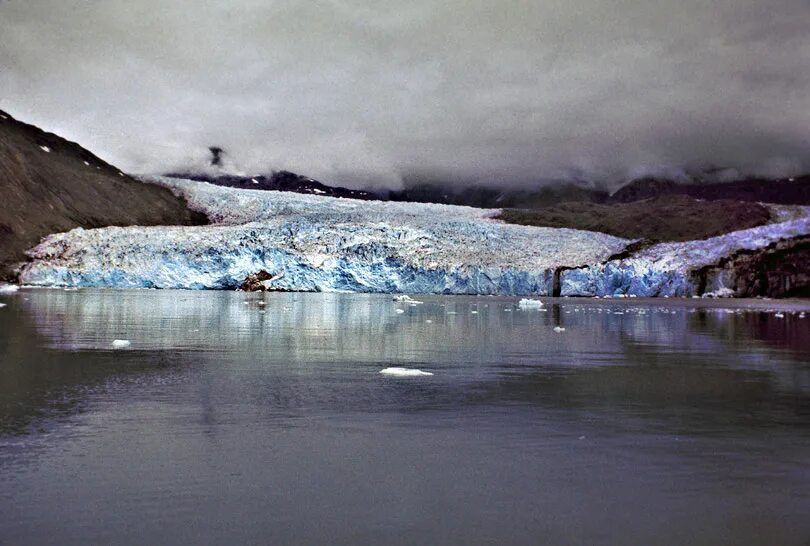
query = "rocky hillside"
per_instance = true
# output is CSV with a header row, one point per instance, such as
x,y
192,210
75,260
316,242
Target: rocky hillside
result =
x,y
666,218
277,181
785,191
52,185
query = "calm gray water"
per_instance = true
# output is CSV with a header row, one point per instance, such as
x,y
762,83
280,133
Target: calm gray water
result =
x,y
228,422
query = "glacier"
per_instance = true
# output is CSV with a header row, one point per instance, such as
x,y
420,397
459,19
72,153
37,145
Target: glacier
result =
x,y
667,269
320,243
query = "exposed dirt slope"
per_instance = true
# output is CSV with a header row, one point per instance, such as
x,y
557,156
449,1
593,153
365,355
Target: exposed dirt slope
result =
x,y
669,218
51,185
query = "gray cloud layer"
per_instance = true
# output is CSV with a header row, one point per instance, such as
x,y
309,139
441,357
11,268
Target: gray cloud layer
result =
x,y
352,91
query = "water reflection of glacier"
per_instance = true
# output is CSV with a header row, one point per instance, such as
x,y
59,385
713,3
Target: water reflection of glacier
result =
x,y
445,331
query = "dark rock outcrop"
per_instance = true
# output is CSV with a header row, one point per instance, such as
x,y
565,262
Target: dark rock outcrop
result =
x,y
261,282
780,270
277,181
50,185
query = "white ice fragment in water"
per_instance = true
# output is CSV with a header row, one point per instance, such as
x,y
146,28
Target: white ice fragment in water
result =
x,y
404,372
45,149
527,303
8,288
720,293
779,315
2,305
429,321
261,303
559,329
254,180
87,163
404,298
120,174
474,312
400,311
120,343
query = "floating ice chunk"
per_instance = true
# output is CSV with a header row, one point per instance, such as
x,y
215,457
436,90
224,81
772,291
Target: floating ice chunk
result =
x,y
316,190
254,180
473,312
2,305
404,298
120,343
527,303
720,293
779,315
404,372
45,149
559,329
2,116
87,163
400,311
120,173
8,288
428,321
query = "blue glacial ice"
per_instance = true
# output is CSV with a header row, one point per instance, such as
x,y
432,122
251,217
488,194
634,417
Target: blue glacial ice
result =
x,y
319,244
328,244
664,269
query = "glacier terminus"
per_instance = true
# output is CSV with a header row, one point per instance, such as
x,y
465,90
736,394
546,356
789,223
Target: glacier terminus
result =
x,y
319,243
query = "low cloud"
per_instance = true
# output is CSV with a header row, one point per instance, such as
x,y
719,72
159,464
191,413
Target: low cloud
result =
x,y
361,92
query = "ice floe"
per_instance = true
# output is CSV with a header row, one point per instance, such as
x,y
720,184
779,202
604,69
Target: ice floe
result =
x,y
404,372
527,303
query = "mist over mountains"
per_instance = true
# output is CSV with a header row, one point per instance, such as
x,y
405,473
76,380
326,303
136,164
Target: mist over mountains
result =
x,y
365,94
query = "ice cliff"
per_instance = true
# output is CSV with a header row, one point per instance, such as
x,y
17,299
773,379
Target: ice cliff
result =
x,y
329,244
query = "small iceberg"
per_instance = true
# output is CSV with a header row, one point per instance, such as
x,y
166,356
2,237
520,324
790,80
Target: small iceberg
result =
x,y
527,303
404,298
559,329
404,372
8,288
2,305
120,343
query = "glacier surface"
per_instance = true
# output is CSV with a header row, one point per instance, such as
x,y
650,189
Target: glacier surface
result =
x,y
664,269
318,243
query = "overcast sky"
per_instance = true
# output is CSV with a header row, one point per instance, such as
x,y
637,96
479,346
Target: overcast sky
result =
x,y
354,92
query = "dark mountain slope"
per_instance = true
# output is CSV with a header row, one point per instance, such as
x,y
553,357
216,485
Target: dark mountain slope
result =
x,y
51,185
667,218
277,181
785,191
